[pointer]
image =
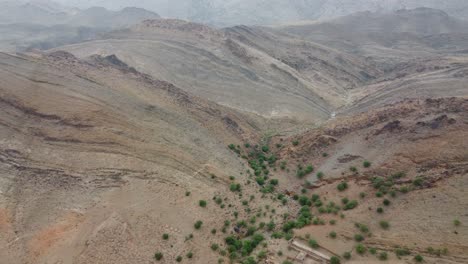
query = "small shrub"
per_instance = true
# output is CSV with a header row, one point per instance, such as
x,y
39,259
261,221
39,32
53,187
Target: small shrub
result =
x,y
202,203
313,243
187,193
373,251
158,256
383,256
386,202
295,142
320,175
384,224
353,169
198,224
235,187
324,154
342,186
179,258
380,210
189,255
351,205
366,164
265,149
347,255
361,249
456,222
214,246
335,260
332,234
363,228
362,195
165,236
418,258
402,252
332,222
359,237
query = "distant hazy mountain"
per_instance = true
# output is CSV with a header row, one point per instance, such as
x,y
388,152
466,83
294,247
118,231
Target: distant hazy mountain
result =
x,y
45,24
48,13
233,12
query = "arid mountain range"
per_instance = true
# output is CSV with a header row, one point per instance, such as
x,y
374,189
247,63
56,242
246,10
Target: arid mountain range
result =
x,y
169,141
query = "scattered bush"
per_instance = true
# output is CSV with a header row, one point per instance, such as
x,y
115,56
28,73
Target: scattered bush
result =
x,y
332,234
158,256
351,205
265,149
373,251
380,210
362,195
359,237
386,202
179,258
189,255
295,142
384,224
366,164
202,203
353,169
456,222
383,256
334,260
165,236
402,252
418,258
235,187
187,193
347,255
313,243
363,228
198,224
320,175
361,249
342,186
214,246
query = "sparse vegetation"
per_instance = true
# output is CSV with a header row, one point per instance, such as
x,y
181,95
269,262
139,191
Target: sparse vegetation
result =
x,y
384,224
158,256
361,249
335,260
313,243
295,142
359,237
342,186
165,236
383,256
366,164
418,258
198,224
202,203
332,234
456,222
347,255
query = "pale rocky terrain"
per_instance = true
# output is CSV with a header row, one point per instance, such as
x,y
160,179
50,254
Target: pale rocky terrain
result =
x,y
108,145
